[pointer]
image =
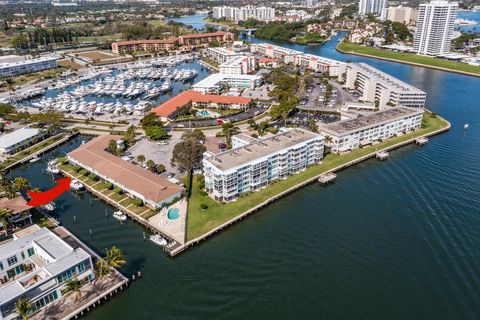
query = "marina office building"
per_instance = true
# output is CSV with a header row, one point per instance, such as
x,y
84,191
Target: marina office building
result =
x,y
36,264
350,134
135,181
381,88
12,66
216,82
254,163
18,139
315,63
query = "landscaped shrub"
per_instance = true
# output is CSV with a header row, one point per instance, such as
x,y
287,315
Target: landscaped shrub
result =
x,y
78,168
117,190
203,206
92,176
108,185
62,160
83,172
138,202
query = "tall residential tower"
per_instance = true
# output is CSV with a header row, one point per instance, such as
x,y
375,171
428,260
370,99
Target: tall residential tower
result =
x,y
435,27
371,6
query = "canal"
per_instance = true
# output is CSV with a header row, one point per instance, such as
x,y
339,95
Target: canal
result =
x,y
394,239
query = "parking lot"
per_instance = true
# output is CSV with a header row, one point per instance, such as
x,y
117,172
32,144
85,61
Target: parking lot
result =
x,y
314,97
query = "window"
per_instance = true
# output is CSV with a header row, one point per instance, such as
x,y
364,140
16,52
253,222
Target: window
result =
x,y
12,260
30,252
1,265
23,255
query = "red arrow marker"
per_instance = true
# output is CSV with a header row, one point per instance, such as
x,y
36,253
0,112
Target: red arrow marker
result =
x,y
41,198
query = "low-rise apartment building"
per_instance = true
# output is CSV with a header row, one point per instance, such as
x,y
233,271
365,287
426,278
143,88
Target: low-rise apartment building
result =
x,y
135,181
239,65
222,54
19,65
381,88
346,135
35,265
217,82
188,99
174,43
19,139
254,163
272,51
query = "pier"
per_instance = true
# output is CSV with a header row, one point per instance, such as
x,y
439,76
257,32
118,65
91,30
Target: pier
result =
x,y
382,155
326,178
421,141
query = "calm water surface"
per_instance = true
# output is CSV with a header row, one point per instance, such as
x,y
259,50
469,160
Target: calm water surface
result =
x,y
398,239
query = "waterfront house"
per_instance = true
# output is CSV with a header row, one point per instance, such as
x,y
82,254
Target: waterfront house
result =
x,y
17,213
254,163
135,181
36,265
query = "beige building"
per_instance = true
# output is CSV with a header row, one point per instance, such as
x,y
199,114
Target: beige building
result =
x,y
401,14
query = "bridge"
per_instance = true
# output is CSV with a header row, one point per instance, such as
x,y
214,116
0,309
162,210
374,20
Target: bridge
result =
x,y
248,32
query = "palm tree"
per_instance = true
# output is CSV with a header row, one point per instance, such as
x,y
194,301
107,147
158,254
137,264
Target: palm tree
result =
x,y
102,271
141,158
23,307
115,257
150,164
74,286
21,184
4,216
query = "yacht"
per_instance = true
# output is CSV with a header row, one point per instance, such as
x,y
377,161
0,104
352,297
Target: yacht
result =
x,y
119,215
49,206
52,169
34,159
76,185
158,239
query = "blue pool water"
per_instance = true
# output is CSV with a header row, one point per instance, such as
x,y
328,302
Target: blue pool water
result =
x,y
173,213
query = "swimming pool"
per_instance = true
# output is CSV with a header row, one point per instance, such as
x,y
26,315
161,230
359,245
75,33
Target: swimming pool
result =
x,y
173,213
203,113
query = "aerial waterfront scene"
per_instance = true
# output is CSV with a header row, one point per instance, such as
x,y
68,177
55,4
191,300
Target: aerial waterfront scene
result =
x,y
272,160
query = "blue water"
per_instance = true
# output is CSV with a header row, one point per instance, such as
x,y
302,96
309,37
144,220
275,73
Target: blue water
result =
x,y
397,239
173,213
195,21
470,15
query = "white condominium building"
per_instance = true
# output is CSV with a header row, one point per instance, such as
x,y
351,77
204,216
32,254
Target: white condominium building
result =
x,y
216,82
222,54
435,27
371,6
254,163
36,264
381,88
20,66
244,13
315,63
238,65
350,134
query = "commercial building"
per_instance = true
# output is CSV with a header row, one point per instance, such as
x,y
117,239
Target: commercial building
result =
x,y
254,163
18,139
217,82
371,6
435,27
135,181
239,65
35,265
313,62
185,42
189,99
11,66
350,134
244,13
401,14
381,88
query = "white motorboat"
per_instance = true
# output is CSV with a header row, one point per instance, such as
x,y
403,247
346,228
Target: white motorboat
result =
x,y
119,215
52,169
34,159
49,206
158,239
76,185
465,126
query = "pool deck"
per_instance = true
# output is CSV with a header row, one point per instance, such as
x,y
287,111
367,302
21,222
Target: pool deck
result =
x,y
175,228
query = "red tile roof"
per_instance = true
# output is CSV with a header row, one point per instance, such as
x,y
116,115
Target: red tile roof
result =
x,y
201,35
14,206
151,186
186,97
159,41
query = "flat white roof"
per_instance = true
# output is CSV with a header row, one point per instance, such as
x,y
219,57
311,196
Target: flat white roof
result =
x,y
26,62
215,79
17,136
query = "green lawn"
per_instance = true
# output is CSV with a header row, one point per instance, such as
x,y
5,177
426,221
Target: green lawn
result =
x,y
201,221
408,57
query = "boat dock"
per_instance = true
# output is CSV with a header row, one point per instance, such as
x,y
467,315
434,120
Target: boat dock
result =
x,y
327,178
421,141
382,155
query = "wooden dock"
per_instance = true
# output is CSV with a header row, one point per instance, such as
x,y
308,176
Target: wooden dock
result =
x,y
327,177
382,155
421,141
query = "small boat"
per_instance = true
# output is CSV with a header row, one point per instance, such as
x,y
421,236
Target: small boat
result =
x,y
53,162
465,126
76,185
52,169
49,206
34,159
119,215
158,239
